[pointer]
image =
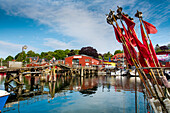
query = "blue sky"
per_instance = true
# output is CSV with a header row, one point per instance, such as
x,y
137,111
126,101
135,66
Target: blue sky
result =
x,y
47,25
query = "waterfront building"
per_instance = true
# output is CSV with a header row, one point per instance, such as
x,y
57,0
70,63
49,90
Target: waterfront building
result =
x,y
120,60
164,58
81,60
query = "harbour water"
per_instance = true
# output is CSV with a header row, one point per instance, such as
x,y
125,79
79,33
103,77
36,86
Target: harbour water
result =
x,y
102,94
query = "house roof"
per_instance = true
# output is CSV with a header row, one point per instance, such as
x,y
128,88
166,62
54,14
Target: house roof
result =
x,y
118,55
33,58
84,55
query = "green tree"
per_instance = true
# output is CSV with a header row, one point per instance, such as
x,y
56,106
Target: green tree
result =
x,y
21,56
107,55
32,54
49,55
168,46
100,57
43,54
90,51
59,54
157,48
9,58
73,52
1,59
67,51
118,51
76,51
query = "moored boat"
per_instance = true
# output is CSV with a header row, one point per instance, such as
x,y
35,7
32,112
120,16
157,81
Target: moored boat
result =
x,y
3,98
133,73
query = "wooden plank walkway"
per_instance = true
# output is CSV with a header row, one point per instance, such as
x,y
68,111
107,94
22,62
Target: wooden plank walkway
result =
x,y
34,67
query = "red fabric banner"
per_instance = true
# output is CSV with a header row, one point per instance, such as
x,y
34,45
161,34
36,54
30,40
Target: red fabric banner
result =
x,y
131,38
150,29
151,62
127,55
132,52
143,37
142,49
128,22
143,63
117,34
154,54
126,33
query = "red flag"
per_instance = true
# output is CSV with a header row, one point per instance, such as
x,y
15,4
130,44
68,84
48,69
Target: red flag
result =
x,y
143,63
128,22
132,52
154,54
150,29
143,37
151,62
128,58
129,36
142,49
126,33
143,53
131,39
117,34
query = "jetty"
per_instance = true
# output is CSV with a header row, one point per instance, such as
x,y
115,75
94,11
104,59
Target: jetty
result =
x,y
43,72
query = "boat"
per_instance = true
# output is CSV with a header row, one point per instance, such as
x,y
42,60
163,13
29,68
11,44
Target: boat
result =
x,y
116,73
119,72
3,98
133,73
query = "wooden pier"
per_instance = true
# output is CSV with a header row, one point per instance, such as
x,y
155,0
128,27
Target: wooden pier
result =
x,y
15,74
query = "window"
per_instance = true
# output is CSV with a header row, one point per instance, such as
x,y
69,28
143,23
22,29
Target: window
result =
x,y
86,60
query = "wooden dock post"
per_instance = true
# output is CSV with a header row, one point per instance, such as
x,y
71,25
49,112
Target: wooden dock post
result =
x,y
54,74
81,73
32,82
42,77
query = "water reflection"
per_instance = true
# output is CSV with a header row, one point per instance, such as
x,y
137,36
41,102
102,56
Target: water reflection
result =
x,y
82,94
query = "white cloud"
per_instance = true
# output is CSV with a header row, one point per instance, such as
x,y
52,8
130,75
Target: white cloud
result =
x,y
75,19
12,49
56,44
9,49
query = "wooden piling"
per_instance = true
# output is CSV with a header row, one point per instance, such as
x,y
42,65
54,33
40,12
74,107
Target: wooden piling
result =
x,y
81,73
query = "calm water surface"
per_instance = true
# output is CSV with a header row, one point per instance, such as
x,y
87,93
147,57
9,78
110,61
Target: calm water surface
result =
x,y
76,95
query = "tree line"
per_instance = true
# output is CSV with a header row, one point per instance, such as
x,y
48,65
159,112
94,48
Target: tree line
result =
x,y
60,54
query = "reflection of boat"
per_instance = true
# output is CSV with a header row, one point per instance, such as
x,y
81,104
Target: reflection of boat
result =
x,y
3,98
119,72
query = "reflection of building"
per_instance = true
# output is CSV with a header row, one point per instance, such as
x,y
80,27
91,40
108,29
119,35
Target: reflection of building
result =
x,y
119,59
164,58
81,60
